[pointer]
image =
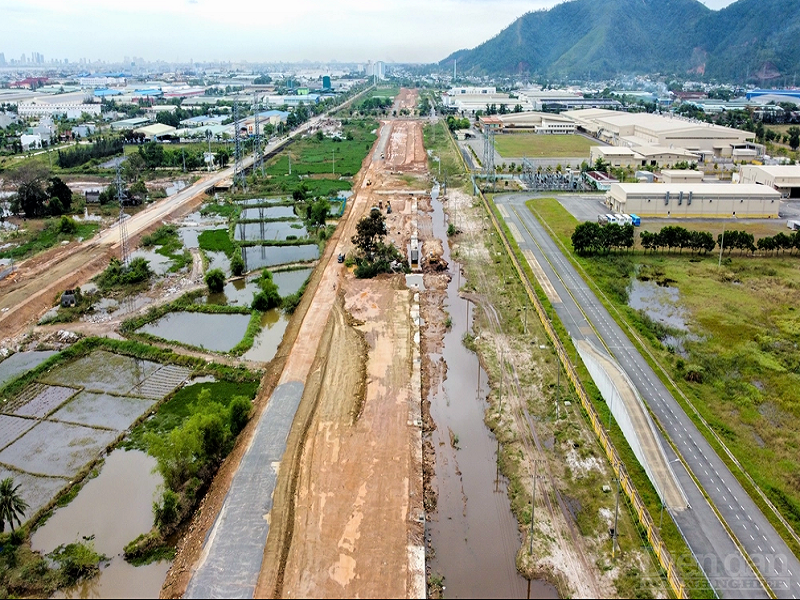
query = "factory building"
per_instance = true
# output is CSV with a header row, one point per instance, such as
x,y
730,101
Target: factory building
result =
x,y
783,178
694,200
635,130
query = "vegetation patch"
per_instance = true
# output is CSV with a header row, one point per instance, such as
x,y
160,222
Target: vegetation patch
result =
x,y
33,240
216,240
168,243
534,145
739,367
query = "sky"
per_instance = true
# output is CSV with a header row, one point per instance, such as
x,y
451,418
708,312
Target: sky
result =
x,y
257,31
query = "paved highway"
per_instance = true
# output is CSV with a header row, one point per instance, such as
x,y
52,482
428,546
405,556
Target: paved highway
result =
x,y
705,534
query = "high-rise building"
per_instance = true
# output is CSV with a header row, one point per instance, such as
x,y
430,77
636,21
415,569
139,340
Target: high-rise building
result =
x,y
380,69
2,59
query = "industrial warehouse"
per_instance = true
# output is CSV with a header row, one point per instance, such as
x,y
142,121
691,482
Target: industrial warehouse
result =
x,y
691,200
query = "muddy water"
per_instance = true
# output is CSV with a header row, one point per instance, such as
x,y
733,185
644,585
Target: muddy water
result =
x,y
265,345
115,508
217,332
473,532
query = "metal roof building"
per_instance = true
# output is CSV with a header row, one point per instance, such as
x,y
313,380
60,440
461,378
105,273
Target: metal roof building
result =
x,y
694,200
783,178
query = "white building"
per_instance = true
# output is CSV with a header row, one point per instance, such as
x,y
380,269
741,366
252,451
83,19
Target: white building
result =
x,y
693,200
783,178
471,91
70,110
30,141
102,81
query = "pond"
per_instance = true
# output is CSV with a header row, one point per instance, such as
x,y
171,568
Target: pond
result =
x,y
258,257
289,282
269,230
111,510
257,201
265,345
236,292
660,303
215,332
265,213
158,263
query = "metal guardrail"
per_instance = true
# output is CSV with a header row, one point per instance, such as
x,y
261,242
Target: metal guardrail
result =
x,y
659,548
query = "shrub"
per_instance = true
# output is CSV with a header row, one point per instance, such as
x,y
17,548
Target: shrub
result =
x,y
166,513
239,411
237,263
67,226
215,280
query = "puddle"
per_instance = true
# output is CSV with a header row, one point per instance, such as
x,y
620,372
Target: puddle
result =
x,y
265,345
660,303
216,332
176,187
115,508
415,280
21,362
158,263
269,230
473,531
258,257
289,282
269,212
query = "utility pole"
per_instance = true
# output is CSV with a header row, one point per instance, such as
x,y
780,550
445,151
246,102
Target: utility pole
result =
x,y
558,388
721,246
616,515
533,503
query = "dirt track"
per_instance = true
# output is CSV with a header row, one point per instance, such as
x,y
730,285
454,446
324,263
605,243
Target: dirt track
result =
x,y
357,490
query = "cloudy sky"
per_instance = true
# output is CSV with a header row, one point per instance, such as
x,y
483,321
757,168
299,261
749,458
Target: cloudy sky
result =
x,y
260,30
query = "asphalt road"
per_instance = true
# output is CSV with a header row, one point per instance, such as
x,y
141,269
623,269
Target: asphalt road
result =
x,y
708,539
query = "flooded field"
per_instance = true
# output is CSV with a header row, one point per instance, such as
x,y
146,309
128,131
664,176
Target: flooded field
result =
x,y
237,292
219,260
53,428
473,533
111,509
258,257
269,230
216,332
267,213
661,303
21,362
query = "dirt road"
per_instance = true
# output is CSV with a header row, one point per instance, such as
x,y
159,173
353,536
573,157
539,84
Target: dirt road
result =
x,y
354,508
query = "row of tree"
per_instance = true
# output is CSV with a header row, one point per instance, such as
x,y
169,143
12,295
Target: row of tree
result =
x,y
155,155
454,123
671,237
593,238
83,153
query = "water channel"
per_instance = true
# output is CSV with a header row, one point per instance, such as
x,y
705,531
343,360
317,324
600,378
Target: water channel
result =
x,y
473,532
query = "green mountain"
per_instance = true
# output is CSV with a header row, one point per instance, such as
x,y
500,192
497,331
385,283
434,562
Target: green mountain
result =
x,y
755,39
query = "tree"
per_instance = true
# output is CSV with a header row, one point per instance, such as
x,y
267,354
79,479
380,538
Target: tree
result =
x,y
215,280
317,212
60,196
794,138
31,195
12,506
370,231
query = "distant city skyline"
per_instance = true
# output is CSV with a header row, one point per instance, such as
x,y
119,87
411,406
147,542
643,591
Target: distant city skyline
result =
x,y
243,30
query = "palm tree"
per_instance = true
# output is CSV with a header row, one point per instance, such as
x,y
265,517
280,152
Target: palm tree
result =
x,y
12,506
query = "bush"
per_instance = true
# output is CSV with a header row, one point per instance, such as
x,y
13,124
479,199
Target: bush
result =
x,y
215,280
239,411
77,561
67,226
118,275
237,263
166,513
268,297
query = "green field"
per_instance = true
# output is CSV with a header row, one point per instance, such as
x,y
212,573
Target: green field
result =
x,y
532,145
741,353
383,92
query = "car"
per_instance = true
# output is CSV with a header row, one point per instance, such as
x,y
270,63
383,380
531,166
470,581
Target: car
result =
x,y
340,258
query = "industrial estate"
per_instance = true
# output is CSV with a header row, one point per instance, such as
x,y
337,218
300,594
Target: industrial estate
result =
x,y
398,330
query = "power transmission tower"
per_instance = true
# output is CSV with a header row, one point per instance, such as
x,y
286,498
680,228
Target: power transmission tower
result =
x,y
488,154
123,225
258,158
238,166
